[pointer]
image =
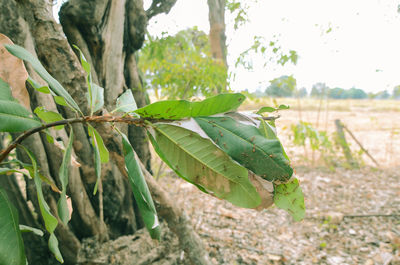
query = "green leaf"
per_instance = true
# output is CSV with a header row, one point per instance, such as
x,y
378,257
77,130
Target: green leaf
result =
x,y
50,222
101,154
201,162
282,107
289,197
95,95
84,62
247,146
62,205
271,109
179,109
8,171
126,102
23,54
49,116
53,246
166,161
5,91
266,109
11,245
38,87
140,190
269,133
15,118
26,229
104,155
60,101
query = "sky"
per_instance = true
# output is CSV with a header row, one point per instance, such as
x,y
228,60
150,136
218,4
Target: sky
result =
x,y
362,49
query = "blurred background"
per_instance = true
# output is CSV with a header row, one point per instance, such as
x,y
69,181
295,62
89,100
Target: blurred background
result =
x,y
336,64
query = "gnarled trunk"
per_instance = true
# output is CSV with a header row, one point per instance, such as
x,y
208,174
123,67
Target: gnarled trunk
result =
x,y
109,32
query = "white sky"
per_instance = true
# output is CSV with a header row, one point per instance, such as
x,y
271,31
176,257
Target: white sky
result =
x,y
362,50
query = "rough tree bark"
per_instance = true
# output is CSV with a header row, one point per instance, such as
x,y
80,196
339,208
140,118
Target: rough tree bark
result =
x,y
109,32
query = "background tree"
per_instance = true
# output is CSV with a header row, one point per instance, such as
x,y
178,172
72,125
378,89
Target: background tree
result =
x,y
283,86
181,66
109,33
355,93
396,92
319,90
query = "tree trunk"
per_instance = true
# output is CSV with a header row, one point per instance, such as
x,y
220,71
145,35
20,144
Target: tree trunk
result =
x,y
109,32
216,17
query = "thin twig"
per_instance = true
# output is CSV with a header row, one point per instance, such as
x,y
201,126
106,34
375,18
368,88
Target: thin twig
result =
x,y
371,215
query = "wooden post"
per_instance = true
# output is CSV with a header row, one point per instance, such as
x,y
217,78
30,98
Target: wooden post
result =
x,y
343,143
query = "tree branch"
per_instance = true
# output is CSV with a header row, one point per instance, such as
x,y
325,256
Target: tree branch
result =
x,y
99,119
159,6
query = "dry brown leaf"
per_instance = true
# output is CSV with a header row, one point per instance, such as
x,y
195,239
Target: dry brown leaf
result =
x,y
12,71
265,189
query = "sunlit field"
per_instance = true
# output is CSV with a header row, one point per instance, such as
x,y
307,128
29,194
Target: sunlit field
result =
x,y
375,124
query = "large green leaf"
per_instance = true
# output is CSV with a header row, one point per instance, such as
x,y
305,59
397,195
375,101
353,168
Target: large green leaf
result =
x,y
140,190
201,162
179,109
166,161
289,196
11,245
246,145
13,116
62,206
23,54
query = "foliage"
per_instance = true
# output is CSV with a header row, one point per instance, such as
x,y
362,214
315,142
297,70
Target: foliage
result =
x,y
215,153
239,10
283,86
304,134
271,53
181,66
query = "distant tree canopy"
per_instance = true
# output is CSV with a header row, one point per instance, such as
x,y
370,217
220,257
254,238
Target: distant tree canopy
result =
x,y
283,86
380,95
396,92
320,89
181,66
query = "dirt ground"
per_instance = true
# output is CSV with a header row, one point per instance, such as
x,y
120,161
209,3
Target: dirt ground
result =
x,y
353,217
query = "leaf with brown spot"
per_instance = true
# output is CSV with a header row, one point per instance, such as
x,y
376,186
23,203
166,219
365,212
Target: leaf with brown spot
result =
x,y
201,162
12,71
265,189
